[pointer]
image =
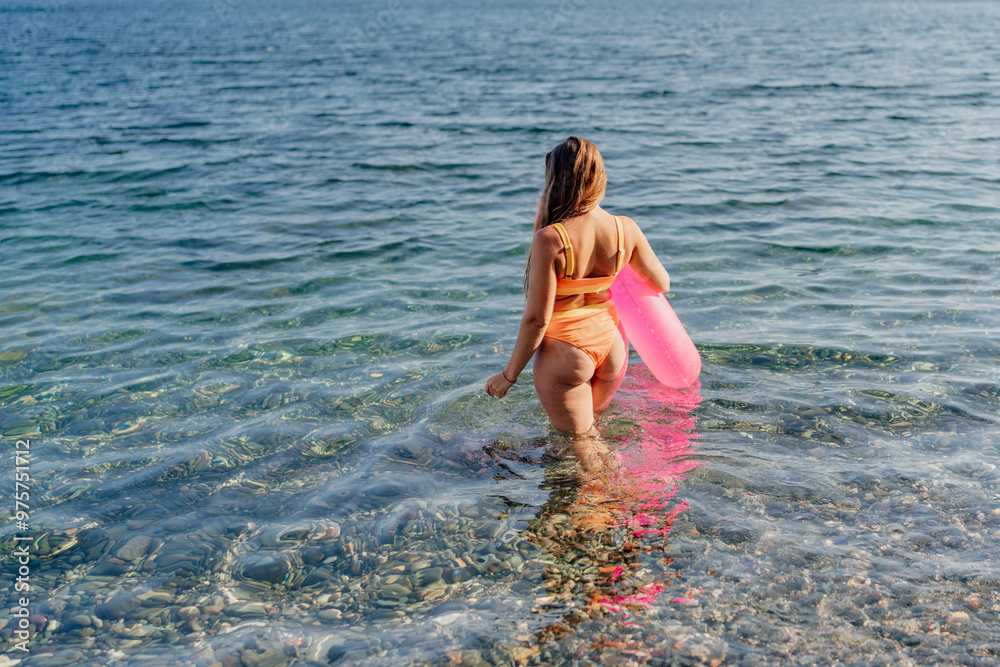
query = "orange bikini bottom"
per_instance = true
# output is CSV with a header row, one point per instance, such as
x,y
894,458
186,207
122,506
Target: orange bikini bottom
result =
x,y
591,328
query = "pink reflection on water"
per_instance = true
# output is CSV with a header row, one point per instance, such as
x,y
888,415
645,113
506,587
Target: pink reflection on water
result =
x,y
646,480
621,510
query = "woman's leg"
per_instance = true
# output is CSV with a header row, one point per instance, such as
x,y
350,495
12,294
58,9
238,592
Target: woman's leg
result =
x,y
593,455
606,376
561,373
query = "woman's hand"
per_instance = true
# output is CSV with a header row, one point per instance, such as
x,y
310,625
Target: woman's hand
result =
x,y
498,385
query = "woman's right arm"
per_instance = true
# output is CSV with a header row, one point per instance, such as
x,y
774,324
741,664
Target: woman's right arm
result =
x,y
644,261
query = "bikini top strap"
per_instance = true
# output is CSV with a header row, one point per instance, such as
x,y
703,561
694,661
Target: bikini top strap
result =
x,y
621,246
570,263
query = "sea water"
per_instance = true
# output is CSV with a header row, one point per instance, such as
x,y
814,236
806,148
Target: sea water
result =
x,y
260,259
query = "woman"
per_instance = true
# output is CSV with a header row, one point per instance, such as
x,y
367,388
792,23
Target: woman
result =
x,y
577,250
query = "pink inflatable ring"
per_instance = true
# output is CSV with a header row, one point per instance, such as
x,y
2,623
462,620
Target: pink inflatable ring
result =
x,y
654,331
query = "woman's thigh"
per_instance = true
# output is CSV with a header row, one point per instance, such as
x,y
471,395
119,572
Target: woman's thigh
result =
x,y
562,374
611,369
608,376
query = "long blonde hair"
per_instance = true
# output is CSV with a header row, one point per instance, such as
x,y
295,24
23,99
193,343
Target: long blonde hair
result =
x,y
574,184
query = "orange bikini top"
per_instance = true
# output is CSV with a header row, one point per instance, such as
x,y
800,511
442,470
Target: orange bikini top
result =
x,y
566,286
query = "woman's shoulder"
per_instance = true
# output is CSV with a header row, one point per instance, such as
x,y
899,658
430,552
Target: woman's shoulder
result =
x,y
629,225
547,239
631,230
547,234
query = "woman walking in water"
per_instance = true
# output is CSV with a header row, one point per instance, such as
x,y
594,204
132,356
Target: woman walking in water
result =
x,y
577,250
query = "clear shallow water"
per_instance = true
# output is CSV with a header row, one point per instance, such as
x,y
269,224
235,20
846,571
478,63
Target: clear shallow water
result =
x,y
260,260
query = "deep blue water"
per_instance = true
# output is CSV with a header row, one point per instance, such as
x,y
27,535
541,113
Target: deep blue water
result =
x,y
260,258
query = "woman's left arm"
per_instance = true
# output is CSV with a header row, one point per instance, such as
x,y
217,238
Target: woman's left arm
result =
x,y
537,313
